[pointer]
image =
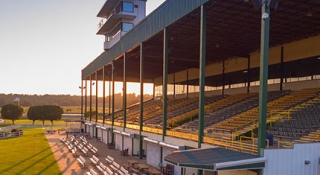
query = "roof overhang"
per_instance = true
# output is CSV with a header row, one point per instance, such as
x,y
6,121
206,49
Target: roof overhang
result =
x,y
107,7
113,20
215,159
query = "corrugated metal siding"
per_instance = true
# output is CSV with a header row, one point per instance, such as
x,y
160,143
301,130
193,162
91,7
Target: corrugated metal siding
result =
x,y
291,161
169,12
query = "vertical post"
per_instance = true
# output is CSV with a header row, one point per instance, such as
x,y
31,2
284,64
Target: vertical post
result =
x,y
281,69
164,83
85,104
112,110
109,97
174,86
96,74
104,95
81,110
203,26
124,91
90,98
223,76
141,98
187,84
248,74
264,56
153,91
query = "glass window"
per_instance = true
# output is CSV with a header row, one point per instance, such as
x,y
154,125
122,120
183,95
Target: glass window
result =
x,y
126,26
127,7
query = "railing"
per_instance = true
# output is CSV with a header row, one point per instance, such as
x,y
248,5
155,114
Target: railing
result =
x,y
283,144
10,127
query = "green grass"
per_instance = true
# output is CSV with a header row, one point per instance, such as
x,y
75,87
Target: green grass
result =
x,y
27,154
38,122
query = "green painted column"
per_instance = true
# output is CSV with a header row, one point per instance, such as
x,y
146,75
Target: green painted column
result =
x,y
81,110
85,103
141,99
248,74
203,36
96,76
81,107
165,82
223,77
281,68
124,91
187,96
202,72
90,113
112,109
263,91
104,95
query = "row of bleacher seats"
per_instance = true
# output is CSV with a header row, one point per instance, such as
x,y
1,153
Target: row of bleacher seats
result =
x,y
304,118
249,116
188,105
224,109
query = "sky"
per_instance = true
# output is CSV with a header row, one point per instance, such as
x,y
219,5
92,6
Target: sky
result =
x,y
44,44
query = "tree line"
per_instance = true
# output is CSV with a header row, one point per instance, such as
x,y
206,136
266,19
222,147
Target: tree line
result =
x,y
66,100
40,112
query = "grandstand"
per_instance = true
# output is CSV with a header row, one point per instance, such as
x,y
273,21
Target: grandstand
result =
x,y
224,102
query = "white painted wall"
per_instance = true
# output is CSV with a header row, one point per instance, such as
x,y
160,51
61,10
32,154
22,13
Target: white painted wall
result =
x,y
105,136
127,143
292,161
118,141
153,153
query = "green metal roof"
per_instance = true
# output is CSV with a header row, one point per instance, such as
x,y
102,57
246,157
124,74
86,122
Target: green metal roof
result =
x,y
169,12
215,159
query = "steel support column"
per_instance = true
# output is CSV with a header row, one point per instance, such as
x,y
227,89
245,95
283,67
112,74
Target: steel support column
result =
x,y
202,76
96,76
124,91
165,83
187,96
174,86
264,56
281,69
248,74
85,104
112,109
141,99
203,36
90,112
223,77
81,110
104,95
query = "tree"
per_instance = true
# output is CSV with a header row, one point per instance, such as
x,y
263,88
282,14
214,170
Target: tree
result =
x,y
52,112
34,113
11,112
45,112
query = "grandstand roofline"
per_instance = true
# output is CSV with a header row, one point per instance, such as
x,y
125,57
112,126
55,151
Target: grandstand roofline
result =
x,y
233,30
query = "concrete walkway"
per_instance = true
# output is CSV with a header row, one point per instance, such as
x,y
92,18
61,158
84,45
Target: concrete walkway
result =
x,y
68,163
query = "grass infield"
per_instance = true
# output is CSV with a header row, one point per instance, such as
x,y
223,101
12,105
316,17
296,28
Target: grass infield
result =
x,y
28,154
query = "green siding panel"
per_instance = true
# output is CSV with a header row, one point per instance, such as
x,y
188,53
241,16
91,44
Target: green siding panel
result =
x,y
166,14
